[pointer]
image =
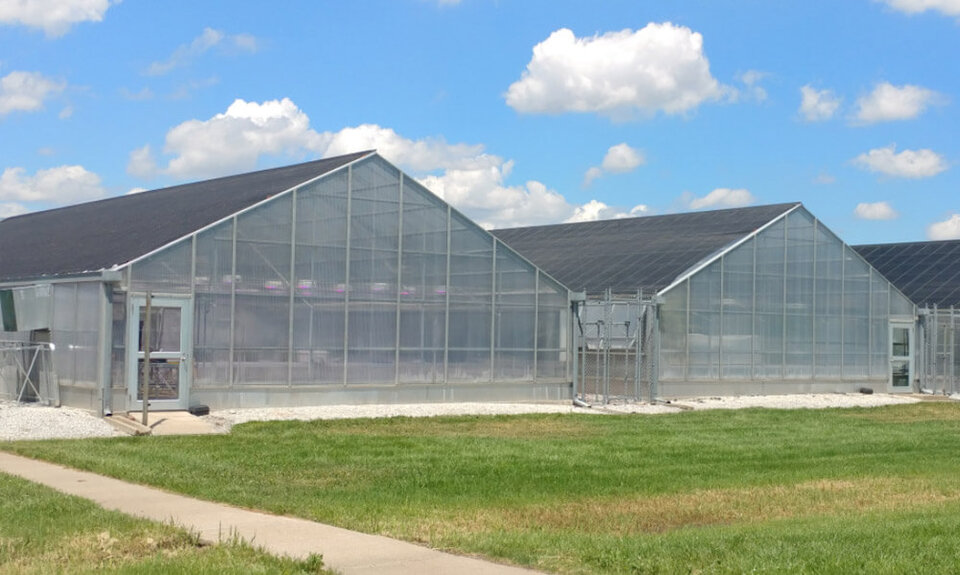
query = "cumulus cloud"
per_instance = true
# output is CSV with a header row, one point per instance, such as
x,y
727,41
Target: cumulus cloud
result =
x,y
10,209
54,17
597,210
907,164
817,105
720,198
660,68
207,40
619,159
875,211
26,91
948,229
888,103
141,163
53,186
946,7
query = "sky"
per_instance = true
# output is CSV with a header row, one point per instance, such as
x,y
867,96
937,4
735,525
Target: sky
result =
x,y
517,112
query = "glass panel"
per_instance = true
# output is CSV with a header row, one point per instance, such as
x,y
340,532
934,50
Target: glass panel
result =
x,y
704,336
552,325
515,316
320,281
900,305
768,322
471,285
164,329
798,296
900,344
164,379
262,294
167,271
673,329
900,373
737,306
828,307
211,325
856,316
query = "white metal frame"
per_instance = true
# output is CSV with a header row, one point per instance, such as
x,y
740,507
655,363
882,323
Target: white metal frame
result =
x,y
184,355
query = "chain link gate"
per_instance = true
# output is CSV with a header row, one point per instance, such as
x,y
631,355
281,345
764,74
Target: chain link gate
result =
x,y
617,349
939,369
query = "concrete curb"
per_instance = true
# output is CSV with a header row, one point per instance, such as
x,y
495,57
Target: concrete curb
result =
x,y
348,552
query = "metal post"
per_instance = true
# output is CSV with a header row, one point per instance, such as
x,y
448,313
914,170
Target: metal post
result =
x,y
146,358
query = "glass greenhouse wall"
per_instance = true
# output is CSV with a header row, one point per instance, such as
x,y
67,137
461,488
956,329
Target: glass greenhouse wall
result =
x,y
362,278
791,304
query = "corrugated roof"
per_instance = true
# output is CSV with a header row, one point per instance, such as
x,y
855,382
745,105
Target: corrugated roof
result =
x,y
99,235
629,254
926,272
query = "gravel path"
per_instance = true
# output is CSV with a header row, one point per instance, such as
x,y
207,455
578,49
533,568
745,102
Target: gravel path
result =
x,y
31,421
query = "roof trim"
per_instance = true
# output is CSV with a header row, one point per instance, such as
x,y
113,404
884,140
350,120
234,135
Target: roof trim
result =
x,y
703,264
117,267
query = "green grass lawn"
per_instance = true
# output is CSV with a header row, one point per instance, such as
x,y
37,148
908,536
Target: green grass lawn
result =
x,y
43,531
816,491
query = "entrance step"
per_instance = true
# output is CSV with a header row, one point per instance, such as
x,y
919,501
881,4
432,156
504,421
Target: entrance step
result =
x,y
172,423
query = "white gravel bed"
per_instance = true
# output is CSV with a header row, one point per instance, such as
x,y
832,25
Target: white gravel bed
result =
x,y
32,421
799,401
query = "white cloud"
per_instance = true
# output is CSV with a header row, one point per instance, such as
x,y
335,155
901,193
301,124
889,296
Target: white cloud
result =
x,y
818,105
142,163
10,209
948,229
54,17
875,211
596,210
619,159
661,67
720,198
907,164
824,179
946,7
26,91
888,103
208,39
751,80
135,191
58,186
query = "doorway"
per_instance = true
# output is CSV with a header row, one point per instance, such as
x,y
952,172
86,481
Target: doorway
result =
x,y
170,352
901,356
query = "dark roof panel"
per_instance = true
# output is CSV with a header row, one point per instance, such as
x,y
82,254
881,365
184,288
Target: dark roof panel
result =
x,y
631,254
99,235
926,272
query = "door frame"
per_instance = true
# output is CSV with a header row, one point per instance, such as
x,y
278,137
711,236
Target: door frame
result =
x,y
910,357
133,353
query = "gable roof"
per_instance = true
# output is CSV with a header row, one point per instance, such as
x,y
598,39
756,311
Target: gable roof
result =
x,y
926,272
629,254
99,235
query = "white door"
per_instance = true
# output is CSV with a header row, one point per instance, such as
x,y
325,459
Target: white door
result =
x,y
171,334
901,356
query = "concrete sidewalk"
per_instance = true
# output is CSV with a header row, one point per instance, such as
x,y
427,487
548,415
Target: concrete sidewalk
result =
x,y
348,552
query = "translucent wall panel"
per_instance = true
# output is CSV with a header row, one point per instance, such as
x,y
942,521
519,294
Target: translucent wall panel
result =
x,y
373,273
167,271
673,325
423,285
213,284
552,329
118,347
901,306
320,281
262,294
736,344
769,310
828,306
75,333
879,325
856,315
471,301
798,296
704,335
516,309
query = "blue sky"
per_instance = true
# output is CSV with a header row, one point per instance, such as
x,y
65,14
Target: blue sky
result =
x,y
518,112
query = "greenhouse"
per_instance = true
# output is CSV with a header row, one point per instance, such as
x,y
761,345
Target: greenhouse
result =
x,y
740,301
335,281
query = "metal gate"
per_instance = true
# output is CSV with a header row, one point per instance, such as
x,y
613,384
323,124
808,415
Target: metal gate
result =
x,y
617,349
939,355
26,372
